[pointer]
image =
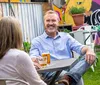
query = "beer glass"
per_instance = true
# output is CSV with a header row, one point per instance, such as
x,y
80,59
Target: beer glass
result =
x,y
42,61
46,54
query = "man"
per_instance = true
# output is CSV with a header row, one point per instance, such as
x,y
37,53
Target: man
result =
x,y
60,45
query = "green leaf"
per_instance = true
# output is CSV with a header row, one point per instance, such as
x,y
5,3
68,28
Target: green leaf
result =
x,y
26,46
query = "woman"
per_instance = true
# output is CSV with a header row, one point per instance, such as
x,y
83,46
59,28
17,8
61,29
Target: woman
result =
x,y
15,63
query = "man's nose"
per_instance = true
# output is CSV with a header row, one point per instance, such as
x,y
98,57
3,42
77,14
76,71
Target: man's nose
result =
x,y
50,22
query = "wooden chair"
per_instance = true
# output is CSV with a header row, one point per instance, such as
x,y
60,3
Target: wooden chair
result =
x,y
3,81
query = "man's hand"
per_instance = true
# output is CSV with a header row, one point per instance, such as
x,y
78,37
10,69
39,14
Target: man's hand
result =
x,y
36,63
90,57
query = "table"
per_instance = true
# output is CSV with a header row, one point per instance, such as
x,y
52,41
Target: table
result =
x,y
58,66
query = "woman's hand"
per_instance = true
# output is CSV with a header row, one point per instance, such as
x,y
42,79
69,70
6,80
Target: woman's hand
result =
x,y
36,63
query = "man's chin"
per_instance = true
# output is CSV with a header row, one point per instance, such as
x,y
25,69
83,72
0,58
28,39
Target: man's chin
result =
x,y
51,31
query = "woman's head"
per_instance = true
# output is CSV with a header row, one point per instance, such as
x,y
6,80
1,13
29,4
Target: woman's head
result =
x,y
10,34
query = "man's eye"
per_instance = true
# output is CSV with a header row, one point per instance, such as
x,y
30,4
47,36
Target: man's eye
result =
x,y
48,20
53,20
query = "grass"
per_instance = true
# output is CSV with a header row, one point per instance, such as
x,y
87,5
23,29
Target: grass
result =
x,y
93,78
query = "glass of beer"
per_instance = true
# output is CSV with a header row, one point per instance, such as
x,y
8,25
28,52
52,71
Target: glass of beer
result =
x,y
42,61
46,54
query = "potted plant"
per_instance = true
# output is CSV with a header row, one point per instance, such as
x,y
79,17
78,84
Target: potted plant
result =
x,y
78,15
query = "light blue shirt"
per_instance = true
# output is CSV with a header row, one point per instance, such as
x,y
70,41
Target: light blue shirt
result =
x,y
59,47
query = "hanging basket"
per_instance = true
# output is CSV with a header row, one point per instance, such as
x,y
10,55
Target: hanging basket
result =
x,y
78,19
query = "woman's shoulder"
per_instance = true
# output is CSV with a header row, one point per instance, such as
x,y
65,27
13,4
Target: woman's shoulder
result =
x,y
19,55
16,52
14,55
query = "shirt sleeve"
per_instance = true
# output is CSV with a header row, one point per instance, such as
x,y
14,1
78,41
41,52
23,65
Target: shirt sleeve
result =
x,y
75,45
27,70
34,51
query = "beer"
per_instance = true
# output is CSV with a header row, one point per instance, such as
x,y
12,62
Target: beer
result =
x,y
43,65
48,57
42,61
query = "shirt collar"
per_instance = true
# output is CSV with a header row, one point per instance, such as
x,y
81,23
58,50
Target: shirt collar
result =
x,y
47,36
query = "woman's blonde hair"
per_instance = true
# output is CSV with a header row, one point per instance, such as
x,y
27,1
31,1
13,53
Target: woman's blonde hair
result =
x,y
10,34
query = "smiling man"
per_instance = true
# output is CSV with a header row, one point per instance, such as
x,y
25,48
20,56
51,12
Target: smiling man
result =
x,y
60,45
51,24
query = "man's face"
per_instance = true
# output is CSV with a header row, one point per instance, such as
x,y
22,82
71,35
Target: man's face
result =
x,y
51,22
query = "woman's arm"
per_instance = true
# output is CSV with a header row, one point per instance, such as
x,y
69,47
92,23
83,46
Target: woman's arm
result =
x,y
27,69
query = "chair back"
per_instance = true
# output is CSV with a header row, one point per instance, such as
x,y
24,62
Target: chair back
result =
x,y
3,81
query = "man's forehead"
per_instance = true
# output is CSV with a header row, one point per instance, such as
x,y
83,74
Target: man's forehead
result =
x,y
51,16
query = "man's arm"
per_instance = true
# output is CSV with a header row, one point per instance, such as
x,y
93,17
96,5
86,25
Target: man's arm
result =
x,y
34,54
90,55
82,49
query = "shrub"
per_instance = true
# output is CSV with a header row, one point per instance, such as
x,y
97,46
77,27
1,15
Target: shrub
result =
x,y
75,10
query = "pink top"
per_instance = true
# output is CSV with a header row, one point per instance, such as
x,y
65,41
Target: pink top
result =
x,y
18,65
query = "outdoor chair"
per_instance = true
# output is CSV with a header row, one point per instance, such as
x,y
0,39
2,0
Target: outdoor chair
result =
x,y
87,38
3,81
